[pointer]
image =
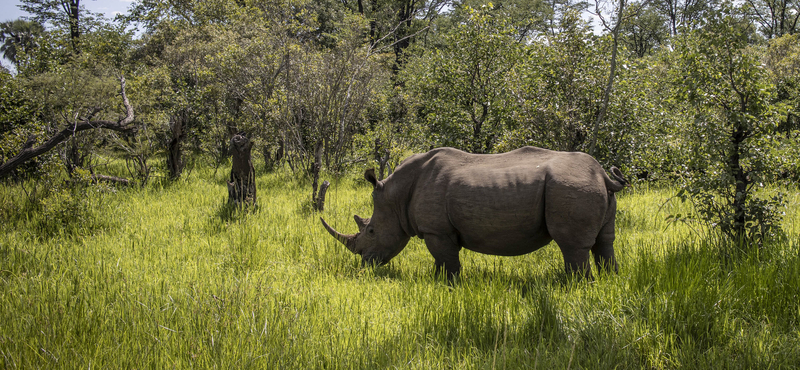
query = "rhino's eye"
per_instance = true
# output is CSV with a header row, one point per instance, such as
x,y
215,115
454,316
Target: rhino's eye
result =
x,y
371,230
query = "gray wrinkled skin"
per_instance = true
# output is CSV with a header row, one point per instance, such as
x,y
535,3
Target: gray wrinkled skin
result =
x,y
500,204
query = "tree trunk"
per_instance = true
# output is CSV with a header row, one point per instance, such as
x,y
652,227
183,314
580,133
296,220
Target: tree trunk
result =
x,y
405,16
73,158
174,151
319,203
477,128
72,8
279,154
318,200
610,84
382,156
268,163
242,183
742,179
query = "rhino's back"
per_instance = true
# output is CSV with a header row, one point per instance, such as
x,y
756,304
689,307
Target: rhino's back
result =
x,y
495,203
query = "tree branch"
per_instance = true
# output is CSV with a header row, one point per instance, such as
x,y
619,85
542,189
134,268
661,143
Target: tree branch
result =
x,y
29,152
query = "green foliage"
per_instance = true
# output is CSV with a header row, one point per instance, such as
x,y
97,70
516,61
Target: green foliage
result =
x,y
464,91
646,30
18,36
20,119
71,208
560,94
723,80
562,84
762,216
660,144
782,61
529,18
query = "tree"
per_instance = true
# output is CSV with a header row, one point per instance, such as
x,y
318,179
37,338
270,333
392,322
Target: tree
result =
x,y
775,18
463,90
612,73
61,13
720,75
18,36
20,116
562,79
529,18
782,61
181,49
684,14
559,13
88,122
645,30
396,23
324,95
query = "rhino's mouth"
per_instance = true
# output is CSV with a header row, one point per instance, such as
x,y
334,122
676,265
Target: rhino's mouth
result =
x,y
373,260
382,257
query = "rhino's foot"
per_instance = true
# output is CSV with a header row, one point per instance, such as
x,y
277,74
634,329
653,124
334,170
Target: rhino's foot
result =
x,y
452,275
581,270
606,264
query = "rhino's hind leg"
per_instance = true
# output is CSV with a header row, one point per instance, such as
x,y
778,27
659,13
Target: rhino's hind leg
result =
x,y
575,243
576,260
603,249
445,254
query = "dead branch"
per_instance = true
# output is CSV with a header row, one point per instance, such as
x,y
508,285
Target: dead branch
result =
x,y
29,152
111,179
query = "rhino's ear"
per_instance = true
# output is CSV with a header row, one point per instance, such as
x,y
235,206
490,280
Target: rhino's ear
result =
x,y
362,222
370,176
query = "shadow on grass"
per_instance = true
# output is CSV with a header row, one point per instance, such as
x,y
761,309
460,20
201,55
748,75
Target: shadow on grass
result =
x,y
460,333
227,213
527,284
705,295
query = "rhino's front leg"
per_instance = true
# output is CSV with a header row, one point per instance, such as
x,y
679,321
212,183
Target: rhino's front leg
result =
x,y
445,254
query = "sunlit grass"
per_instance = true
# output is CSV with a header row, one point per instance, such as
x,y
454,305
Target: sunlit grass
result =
x,y
170,277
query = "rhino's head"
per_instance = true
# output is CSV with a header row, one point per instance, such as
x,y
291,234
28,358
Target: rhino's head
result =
x,y
379,237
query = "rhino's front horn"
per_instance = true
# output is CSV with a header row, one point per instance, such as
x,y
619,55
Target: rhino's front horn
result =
x,y
349,241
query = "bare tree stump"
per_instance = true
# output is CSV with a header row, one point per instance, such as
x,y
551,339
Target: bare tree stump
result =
x,y
382,156
318,199
174,151
267,158
319,202
242,183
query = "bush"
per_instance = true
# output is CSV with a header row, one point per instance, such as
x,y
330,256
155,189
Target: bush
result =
x,y
73,206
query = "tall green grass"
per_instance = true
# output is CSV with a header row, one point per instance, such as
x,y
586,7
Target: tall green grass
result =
x,y
168,276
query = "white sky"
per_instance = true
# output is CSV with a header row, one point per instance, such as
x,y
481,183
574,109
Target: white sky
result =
x,y
9,10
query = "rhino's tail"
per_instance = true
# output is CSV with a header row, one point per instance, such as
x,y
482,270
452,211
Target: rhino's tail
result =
x,y
615,186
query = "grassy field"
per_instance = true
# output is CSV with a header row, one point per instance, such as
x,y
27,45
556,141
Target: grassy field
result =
x,y
167,277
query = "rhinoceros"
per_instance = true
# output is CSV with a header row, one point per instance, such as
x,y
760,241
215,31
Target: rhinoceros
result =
x,y
505,204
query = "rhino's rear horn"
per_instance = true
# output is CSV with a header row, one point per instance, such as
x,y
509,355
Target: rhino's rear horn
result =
x,y
349,241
